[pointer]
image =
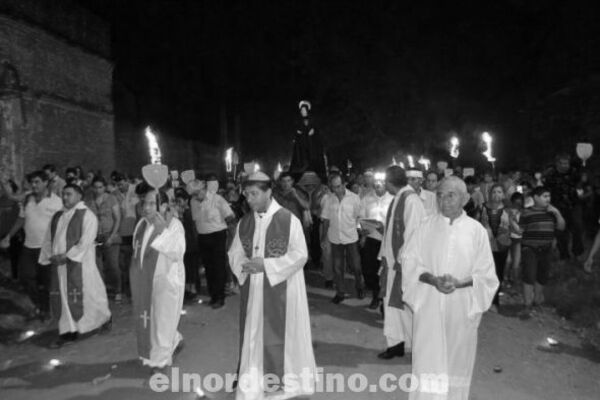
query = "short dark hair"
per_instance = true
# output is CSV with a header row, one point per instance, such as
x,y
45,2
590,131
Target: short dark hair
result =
x,y
285,174
72,170
49,167
38,174
181,193
118,177
396,175
99,179
540,190
516,196
470,180
333,176
144,188
75,187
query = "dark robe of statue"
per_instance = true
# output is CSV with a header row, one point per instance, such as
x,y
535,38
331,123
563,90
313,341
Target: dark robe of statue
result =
x,y
308,152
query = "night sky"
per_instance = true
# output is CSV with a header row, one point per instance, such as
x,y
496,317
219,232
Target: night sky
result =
x,y
382,76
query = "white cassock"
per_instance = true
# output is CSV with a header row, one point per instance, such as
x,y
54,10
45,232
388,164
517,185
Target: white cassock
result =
x,y
95,302
168,285
298,357
429,202
397,323
445,325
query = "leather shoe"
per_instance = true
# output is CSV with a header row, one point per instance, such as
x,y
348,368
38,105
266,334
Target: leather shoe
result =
x,y
391,352
374,304
218,304
338,298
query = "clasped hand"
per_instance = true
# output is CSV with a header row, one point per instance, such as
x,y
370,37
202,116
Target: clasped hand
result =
x,y
58,259
446,283
254,266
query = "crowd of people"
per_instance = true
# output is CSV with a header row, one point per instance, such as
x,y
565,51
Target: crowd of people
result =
x,y
404,235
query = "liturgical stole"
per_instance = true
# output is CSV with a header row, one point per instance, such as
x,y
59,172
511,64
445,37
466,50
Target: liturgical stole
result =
x,y
274,297
398,228
141,275
74,273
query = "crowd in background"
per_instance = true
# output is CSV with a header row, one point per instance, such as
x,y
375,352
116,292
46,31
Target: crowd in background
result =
x,y
505,203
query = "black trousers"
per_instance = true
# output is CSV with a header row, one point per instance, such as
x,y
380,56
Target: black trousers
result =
x,y
214,257
370,264
35,278
191,261
499,262
573,231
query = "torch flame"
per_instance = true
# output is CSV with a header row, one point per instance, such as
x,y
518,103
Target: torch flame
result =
x,y
394,161
155,154
229,159
454,149
401,165
411,162
425,163
279,169
487,139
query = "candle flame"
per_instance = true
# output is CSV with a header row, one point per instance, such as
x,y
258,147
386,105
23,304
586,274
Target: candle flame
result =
x,y
401,164
256,167
487,139
155,154
454,147
394,161
229,159
279,169
411,162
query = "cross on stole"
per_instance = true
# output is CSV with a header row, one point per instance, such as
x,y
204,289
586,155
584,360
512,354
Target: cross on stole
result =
x,y
75,293
146,318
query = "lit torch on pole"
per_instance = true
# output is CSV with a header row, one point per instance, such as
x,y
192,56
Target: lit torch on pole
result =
x,y
425,163
454,143
487,139
155,173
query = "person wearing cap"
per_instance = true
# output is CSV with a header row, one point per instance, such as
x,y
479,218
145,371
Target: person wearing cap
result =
x,y
404,216
415,180
267,256
77,293
212,215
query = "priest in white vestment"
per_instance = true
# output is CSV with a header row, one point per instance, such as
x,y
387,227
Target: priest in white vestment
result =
x,y
267,256
157,277
449,283
77,293
404,216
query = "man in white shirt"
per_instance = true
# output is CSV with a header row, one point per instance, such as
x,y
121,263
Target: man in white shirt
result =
x,y
415,180
340,215
34,218
212,215
374,207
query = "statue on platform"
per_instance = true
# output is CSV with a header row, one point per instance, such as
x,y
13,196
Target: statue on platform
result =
x,y
307,152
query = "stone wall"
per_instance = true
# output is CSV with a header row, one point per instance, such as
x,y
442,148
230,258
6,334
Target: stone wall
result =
x,y
62,111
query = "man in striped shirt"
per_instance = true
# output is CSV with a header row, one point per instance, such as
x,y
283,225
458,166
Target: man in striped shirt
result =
x,y
538,224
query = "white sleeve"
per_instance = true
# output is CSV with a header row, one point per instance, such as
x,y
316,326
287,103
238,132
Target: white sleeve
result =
x,y
237,257
485,281
281,268
88,236
414,214
171,242
46,250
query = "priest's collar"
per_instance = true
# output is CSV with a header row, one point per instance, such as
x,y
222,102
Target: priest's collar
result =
x,y
273,208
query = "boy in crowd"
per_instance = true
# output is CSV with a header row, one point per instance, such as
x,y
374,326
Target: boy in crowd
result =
x,y
538,225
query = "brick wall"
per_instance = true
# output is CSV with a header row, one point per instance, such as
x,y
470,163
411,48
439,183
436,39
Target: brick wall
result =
x,y
64,113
